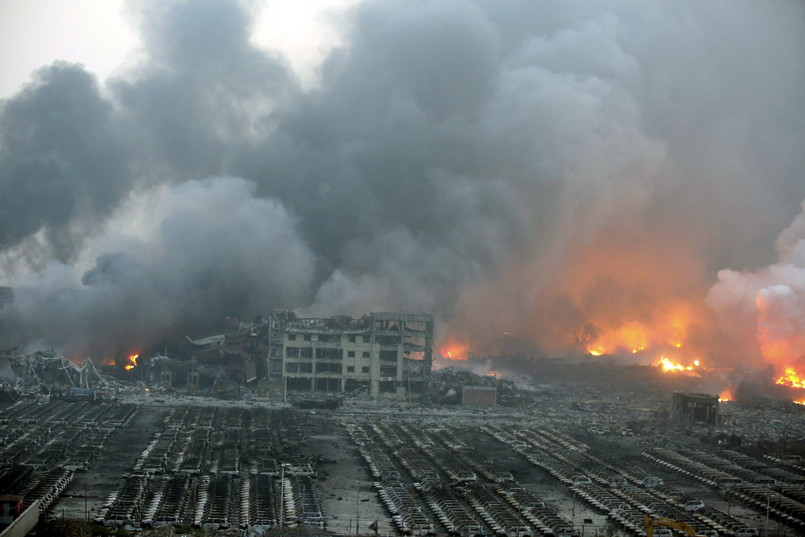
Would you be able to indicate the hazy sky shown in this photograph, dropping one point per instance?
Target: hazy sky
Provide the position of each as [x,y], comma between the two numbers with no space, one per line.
[608,175]
[102,35]
[37,32]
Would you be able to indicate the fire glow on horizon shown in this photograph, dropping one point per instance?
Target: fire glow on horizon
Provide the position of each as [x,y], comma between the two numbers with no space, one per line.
[637,336]
[668,342]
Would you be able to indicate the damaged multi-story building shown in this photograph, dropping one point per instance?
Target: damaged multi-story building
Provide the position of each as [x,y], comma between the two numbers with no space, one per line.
[379,354]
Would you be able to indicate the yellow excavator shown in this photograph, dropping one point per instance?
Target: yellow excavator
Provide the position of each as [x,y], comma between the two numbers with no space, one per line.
[668,523]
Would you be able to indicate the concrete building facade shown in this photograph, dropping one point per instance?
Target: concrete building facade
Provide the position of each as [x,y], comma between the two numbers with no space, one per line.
[380,354]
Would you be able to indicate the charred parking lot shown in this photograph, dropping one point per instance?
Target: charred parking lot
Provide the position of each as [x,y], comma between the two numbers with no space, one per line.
[576,453]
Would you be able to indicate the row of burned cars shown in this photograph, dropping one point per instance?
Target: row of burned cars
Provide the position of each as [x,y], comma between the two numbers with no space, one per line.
[772,486]
[44,441]
[626,492]
[217,468]
[433,482]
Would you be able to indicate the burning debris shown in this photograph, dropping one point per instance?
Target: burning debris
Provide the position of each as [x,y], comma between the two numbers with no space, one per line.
[133,364]
[791,378]
[668,365]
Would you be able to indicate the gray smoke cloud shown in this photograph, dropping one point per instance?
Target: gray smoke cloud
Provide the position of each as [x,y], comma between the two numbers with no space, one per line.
[199,249]
[518,166]
[64,161]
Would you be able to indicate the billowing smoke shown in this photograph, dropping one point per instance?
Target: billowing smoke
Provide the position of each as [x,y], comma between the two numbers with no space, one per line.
[172,259]
[573,174]
[765,309]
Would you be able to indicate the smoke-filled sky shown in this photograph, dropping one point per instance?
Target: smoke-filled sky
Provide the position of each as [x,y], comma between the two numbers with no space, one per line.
[588,176]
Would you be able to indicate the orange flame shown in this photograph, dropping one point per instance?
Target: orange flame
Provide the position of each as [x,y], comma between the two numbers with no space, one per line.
[632,337]
[133,360]
[725,396]
[452,350]
[791,379]
[782,348]
[663,331]
[668,365]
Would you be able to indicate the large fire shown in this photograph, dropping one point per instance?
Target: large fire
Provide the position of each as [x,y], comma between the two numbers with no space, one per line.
[631,337]
[453,350]
[791,379]
[668,365]
[638,293]
[635,336]
[132,362]
[780,333]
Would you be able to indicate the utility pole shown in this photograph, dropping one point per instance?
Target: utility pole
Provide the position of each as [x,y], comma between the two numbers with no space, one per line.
[573,513]
[357,508]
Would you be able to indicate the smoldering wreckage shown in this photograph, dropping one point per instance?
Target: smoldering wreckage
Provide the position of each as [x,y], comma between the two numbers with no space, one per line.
[344,426]
[620,179]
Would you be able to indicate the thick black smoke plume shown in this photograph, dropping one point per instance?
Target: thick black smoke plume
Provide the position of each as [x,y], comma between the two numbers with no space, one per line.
[460,157]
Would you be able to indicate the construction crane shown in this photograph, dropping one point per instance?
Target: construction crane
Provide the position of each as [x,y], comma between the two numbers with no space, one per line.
[668,523]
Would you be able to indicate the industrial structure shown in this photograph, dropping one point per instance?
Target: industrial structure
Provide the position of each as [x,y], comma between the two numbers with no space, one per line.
[695,408]
[48,368]
[380,354]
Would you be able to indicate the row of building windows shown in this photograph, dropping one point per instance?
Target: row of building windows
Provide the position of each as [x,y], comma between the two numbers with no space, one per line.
[331,338]
[302,367]
[338,338]
[331,354]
